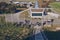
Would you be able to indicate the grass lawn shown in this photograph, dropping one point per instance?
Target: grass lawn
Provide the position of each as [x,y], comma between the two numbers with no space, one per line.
[13,31]
[55,6]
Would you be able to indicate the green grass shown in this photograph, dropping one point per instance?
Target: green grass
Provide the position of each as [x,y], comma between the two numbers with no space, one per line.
[13,31]
[55,6]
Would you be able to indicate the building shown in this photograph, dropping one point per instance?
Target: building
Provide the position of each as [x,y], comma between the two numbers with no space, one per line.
[37,13]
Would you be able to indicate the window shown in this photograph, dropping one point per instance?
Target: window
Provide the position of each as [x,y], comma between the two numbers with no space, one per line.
[36,14]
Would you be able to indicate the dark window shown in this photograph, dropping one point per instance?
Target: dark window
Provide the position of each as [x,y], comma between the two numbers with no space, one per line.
[36,14]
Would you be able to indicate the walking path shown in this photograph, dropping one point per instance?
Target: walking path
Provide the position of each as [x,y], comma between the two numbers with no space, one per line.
[37,35]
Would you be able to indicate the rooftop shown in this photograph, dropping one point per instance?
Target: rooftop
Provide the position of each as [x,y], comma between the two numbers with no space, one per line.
[37,10]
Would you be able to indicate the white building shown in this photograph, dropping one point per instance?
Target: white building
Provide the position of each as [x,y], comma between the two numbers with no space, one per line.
[37,13]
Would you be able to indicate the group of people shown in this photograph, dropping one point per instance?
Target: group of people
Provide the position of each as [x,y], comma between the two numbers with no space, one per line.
[29,23]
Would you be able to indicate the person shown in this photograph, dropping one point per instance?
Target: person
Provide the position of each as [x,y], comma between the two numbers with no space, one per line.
[52,22]
[44,23]
[11,1]
[27,22]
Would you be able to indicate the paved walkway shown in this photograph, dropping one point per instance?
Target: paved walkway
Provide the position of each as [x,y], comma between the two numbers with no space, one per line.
[38,34]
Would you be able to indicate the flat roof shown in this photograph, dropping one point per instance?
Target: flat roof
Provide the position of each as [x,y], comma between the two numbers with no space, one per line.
[37,10]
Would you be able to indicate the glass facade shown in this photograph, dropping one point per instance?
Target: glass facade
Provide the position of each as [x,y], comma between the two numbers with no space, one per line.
[36,14]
